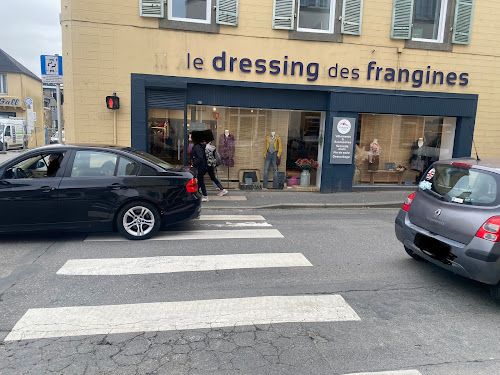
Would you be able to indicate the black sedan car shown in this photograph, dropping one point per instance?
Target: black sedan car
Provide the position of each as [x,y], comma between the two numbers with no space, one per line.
[89,188]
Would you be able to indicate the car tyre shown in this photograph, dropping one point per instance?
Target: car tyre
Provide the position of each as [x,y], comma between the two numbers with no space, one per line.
[495,292]
[138,220]
[413,255]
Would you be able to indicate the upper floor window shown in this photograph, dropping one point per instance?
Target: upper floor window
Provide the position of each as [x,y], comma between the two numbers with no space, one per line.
[190,10]
[429,20]
[3,83]
[316,16]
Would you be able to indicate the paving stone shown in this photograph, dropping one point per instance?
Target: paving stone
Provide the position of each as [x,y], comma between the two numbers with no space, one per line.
[203,360]
[138,345]
[247,359]
[148,366]
[244,338]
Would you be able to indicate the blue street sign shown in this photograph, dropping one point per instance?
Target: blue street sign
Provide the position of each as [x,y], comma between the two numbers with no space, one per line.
[51,68]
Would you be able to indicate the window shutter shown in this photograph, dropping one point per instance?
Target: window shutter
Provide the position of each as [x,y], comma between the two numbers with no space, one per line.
[283,13]
[227,12]
[352,17]
[402,19]
[463,21]
[152,8]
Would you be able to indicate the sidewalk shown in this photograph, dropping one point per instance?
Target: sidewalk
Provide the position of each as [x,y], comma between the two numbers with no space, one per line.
[270,199]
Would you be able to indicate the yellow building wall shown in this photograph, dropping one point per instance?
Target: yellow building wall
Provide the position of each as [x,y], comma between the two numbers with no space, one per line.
[104,41]
[21,86]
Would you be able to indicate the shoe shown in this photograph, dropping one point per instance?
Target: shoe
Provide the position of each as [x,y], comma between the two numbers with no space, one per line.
[222,192]
[204,198]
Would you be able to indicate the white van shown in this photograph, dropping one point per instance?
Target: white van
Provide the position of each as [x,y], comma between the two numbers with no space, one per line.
[13,133]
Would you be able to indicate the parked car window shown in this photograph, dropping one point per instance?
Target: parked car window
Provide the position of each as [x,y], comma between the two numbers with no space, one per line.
[463,185]
[126,167]
[93,164]
[38,166]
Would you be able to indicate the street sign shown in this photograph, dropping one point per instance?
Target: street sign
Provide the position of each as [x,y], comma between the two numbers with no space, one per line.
[342,140]
[51,69]
[28,101]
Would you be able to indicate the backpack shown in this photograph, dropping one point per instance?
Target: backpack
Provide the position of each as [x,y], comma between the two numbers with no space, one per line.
[218,159]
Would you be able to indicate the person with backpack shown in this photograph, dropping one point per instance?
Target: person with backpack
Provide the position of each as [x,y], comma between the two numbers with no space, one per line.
[213,161]
[200,161]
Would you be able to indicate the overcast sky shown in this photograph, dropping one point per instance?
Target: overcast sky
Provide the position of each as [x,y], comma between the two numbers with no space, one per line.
[30,28]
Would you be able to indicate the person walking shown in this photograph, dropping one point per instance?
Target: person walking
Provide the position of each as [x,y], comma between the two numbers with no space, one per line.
[200,161]
[212,161]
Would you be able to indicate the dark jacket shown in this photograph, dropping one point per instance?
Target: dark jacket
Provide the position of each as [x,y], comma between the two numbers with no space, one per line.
[199,157]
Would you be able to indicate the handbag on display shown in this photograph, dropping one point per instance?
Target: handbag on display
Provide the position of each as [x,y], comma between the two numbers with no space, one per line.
[278,161]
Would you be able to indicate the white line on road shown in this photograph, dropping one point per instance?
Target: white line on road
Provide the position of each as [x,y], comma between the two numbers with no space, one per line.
[400,372]
[169,264]
[167,316]
[232,217]
[197,235]
[228,224]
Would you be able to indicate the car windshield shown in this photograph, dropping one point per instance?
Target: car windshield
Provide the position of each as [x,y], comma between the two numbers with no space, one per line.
[461,184]
[152,159]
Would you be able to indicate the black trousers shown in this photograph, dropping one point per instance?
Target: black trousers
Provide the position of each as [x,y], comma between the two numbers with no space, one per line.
[211,173]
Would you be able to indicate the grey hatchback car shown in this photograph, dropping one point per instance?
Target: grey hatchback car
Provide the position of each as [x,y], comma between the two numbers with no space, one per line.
[453,219]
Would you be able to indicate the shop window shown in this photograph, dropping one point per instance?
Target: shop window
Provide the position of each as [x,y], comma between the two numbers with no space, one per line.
[316,16]
[393,149]
[3,84]
[190,10]
[241,139]
[166,134]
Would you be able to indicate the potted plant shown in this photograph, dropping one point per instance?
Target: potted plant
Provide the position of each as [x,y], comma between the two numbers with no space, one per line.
[306,165]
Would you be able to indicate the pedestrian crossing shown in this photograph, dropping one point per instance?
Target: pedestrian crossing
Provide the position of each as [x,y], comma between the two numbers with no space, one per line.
[70,321]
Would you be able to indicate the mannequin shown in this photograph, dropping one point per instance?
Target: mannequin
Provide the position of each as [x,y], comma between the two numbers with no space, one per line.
[374,155]
[418,158]
[226,149]
[272,151]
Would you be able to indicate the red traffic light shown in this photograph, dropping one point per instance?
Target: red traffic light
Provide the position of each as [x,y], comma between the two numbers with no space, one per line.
[113,102]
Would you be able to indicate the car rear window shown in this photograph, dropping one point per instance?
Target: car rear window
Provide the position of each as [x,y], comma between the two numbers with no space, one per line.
[152,159]
[461,185]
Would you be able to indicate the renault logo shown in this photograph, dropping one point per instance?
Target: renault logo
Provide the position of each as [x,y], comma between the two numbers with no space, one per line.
[437,212]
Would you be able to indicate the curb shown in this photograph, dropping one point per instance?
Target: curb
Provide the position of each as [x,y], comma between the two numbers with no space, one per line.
[311,205]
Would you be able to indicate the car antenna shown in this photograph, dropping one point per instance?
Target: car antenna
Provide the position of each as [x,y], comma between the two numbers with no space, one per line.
[475,149]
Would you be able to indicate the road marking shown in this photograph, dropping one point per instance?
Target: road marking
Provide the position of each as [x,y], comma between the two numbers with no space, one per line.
[227,198]
[170,264]
[196,235]
[228,224]
[400,372]
[232,217]
[167,316]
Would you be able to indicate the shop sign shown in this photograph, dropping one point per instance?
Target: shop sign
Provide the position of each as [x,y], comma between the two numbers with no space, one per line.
[10,102]
[334,70]
[342,140]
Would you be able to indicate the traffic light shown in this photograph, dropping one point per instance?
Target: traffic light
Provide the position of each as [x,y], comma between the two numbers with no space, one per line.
[113,101]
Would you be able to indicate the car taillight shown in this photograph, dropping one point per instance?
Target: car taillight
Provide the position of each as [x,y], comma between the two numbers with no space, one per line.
[465,165]
[490,230]
[408,201]
[192,185]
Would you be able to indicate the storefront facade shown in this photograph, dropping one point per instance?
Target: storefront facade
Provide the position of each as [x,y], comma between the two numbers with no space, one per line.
[16,85]
[369,108]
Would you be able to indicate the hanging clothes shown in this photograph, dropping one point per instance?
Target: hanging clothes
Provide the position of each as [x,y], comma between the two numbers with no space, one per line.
[374,156]
[419,157]
[226,150]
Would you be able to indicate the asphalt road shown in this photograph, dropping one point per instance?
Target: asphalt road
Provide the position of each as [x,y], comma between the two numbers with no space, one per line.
[347,300]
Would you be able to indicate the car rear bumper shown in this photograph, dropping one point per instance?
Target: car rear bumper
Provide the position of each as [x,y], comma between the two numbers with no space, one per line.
[189,208]
[479,260]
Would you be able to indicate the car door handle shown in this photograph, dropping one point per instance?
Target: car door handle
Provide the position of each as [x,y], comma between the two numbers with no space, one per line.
[47,189]
[116,186]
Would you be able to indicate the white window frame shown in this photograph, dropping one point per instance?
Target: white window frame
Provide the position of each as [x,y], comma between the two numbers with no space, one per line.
[331,23]
[207,21]
[442,23]
[3,83]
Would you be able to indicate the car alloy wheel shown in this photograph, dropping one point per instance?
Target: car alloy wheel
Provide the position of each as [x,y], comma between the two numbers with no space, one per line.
[138,221]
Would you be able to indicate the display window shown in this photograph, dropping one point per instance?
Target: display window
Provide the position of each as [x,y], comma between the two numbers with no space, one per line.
[259,148]
[395,149]
[166,134]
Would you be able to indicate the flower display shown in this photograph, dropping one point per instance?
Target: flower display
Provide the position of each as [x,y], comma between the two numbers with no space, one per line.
[307,164]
